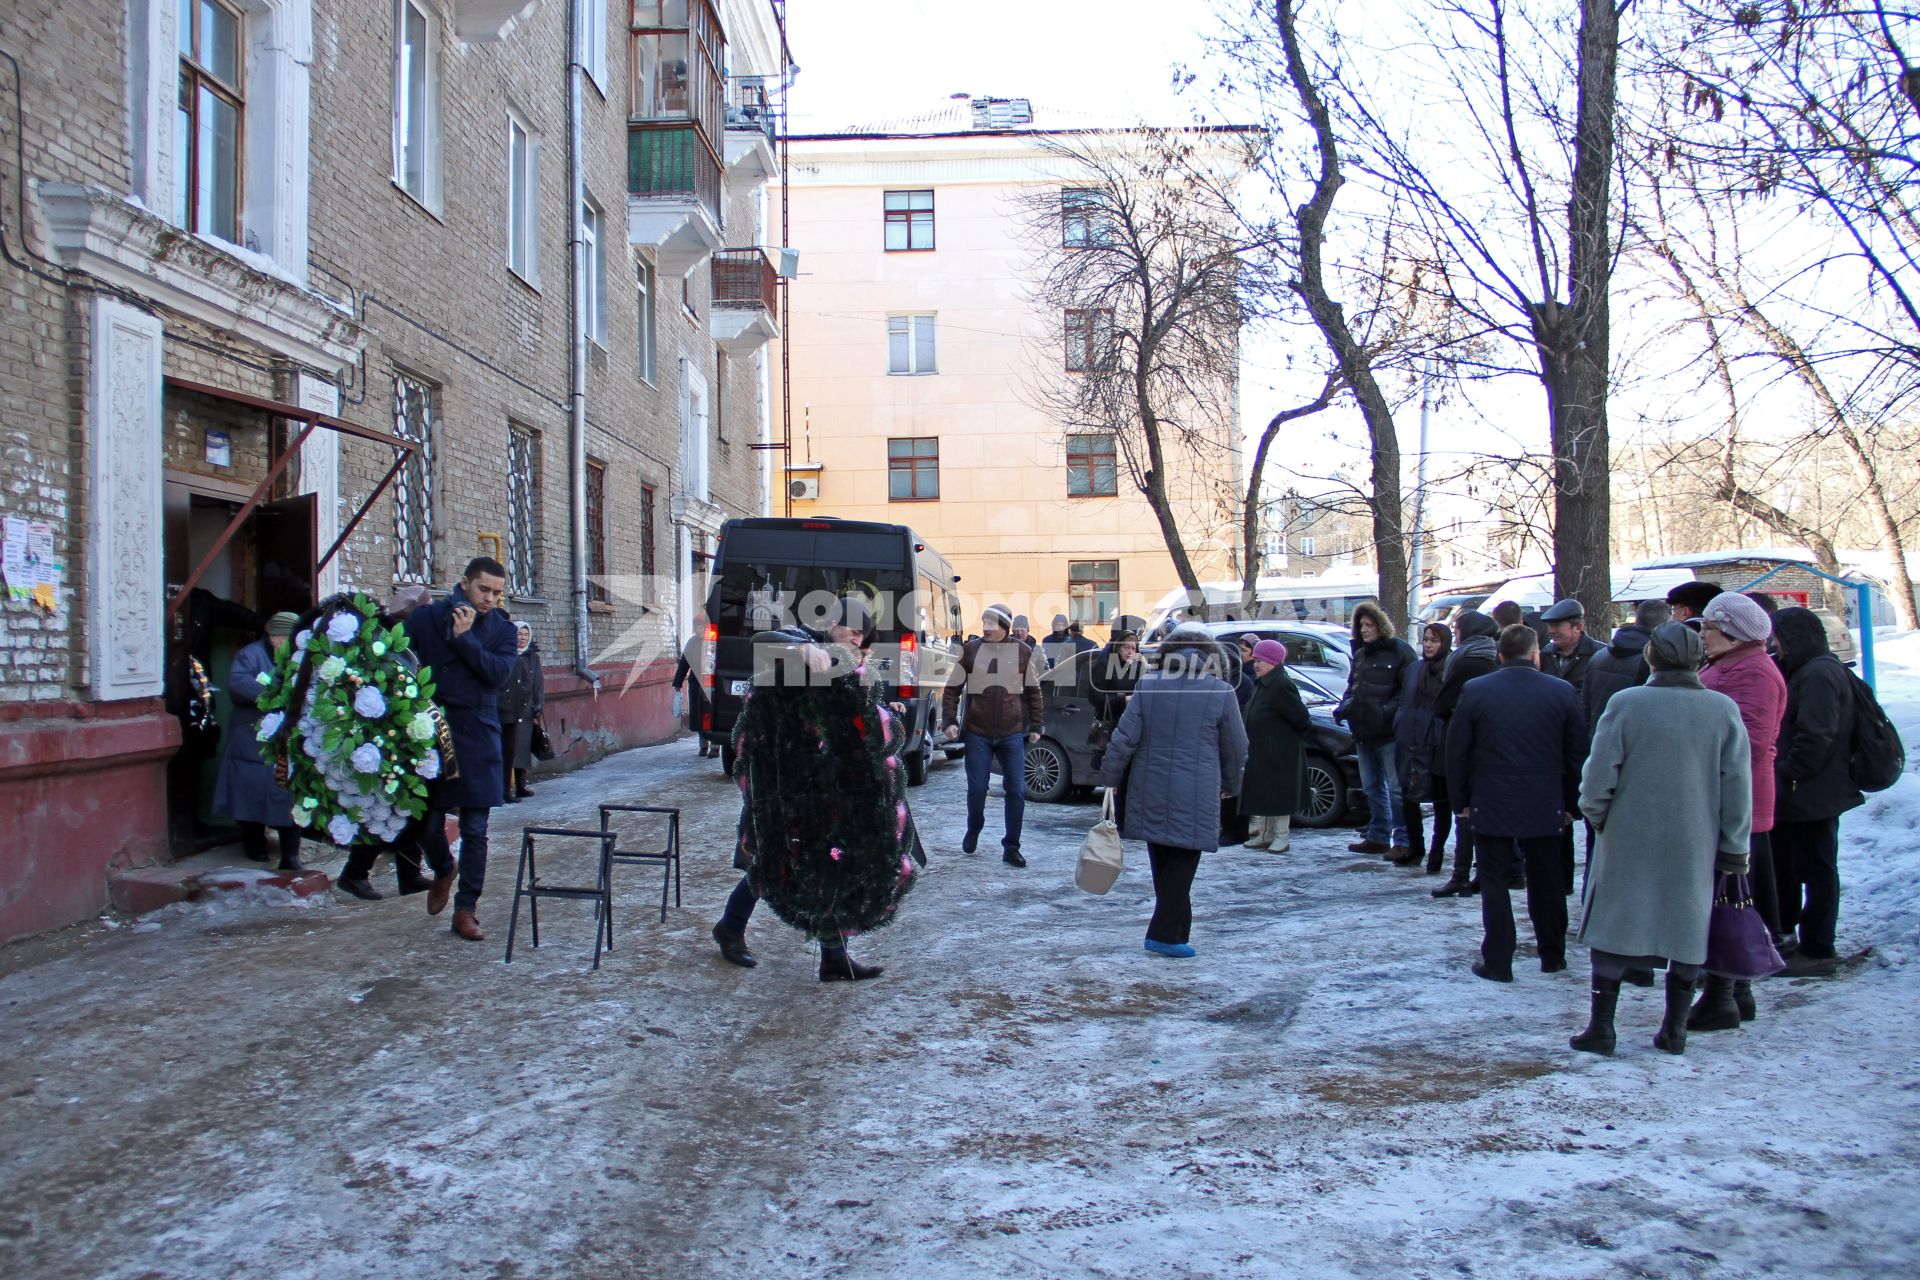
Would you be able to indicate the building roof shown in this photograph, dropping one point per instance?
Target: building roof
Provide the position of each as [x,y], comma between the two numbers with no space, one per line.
[985,116]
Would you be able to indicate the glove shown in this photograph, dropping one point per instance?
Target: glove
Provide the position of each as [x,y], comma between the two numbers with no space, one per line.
[679,704]
[1730,864]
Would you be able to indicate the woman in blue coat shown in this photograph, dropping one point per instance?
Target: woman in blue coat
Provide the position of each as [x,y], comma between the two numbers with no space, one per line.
[1177,752]
[244,789]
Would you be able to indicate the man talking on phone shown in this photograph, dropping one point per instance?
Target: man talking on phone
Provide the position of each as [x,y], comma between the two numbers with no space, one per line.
[469,642]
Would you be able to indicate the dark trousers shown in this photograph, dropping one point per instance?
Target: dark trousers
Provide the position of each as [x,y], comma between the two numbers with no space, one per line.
[1442,820]
[739,910]
[253,838]
[473,852]
[1760,875]
[1173,872]
[1011,753]
[1544,858]
[406,860]
[1806,867]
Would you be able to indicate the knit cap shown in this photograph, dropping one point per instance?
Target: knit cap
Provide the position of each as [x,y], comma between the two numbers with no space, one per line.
[1270,651]
[282,623]
[1738,618]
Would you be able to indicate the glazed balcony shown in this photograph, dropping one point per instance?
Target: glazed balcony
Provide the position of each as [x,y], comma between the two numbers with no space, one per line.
[746,300]
[751,121]
[673,193]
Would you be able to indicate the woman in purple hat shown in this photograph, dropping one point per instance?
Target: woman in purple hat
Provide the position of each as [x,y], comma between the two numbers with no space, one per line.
[1276,773]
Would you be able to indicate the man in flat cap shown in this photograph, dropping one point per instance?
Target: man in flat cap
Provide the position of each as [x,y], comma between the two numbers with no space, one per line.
[1570,648]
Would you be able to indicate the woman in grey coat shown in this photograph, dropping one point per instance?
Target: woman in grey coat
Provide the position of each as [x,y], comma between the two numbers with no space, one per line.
[244,789]
[1668,788]
[1176,754]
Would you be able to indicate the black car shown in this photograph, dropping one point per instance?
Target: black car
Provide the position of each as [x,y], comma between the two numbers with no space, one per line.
[1063,761]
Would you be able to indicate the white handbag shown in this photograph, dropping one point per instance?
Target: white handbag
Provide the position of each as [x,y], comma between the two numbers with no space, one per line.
[1101,856]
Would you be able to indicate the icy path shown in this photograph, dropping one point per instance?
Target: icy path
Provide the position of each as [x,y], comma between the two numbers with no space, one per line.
[346,1090]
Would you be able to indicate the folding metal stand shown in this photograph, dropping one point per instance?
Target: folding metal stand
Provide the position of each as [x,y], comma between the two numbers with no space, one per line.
[668,855]
[526,884]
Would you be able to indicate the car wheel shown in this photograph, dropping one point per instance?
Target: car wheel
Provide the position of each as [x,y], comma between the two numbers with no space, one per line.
[726,760]
[1324,796]
[917,766]
[1048,776]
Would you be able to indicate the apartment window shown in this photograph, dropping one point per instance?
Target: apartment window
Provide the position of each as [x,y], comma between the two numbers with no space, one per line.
[595,301]
[523,529]
[678,50]
[649,500]
[909,216]
[1089,339]
[416,101]
[1092,467]
[523,200]
[413,415]
[593,41]
[596,530]
[913,470]
[1093,589]
[910,344]
[1307,546]
[1086,220]
[207,125]
[649,341]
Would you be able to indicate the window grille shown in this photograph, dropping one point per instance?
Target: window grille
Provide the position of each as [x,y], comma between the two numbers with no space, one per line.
[522,518]
[413,488]
[596,530]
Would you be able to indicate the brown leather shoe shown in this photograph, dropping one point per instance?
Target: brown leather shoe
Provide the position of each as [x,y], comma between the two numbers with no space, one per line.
[438,893]
[467,925]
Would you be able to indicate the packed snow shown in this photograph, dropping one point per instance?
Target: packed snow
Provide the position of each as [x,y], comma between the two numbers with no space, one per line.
[260,1086]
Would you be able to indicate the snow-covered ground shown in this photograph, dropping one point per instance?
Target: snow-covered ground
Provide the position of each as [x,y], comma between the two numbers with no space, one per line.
[263,1088]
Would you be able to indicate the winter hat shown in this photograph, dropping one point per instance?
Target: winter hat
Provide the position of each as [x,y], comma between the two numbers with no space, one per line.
[1000,614]
[282,624]
[1059,622]
[1694,595]
[1675,647]
[1738,618]
[1020,623]
[1249,639]
[1270,651]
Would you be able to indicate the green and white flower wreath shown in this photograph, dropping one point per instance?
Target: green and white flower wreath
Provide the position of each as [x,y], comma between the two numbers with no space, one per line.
[366,738]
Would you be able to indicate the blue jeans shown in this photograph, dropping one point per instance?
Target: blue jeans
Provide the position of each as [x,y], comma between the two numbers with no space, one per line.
[1386,823]
[473,852]
[1011,752]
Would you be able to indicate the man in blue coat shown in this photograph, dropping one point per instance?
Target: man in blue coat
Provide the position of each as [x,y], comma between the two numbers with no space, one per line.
[469,643]
[1515,746]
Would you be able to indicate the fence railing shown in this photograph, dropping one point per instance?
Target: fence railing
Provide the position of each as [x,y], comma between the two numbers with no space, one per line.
[745,279]
[669,160]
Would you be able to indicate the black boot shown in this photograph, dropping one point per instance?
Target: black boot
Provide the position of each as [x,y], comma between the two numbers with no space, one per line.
[1453,888]
[291,862]
[838,966]
[1743,999]
[359,886]
[1598,1037]
[1672,1036]
[1716,1010]
[1012,857]
[411,879]
[733,947]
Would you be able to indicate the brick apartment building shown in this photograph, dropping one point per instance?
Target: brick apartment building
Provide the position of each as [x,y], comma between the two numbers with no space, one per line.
[290,299]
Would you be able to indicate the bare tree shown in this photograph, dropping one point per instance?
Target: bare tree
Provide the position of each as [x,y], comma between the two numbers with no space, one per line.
[1149,275]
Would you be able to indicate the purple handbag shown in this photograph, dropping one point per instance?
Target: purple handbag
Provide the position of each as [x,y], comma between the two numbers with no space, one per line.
[1738,943]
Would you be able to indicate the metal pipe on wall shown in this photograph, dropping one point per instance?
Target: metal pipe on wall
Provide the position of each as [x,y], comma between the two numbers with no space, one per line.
[577,338]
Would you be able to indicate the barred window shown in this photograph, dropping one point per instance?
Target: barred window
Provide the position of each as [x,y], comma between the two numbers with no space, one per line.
[647,517]
[413,487]
[523,517]
[596,530]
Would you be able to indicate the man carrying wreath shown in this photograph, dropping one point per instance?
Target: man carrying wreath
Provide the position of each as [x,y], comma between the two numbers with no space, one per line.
[470,645]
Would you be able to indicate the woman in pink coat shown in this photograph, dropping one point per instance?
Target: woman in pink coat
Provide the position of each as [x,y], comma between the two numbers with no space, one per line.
[1734,633]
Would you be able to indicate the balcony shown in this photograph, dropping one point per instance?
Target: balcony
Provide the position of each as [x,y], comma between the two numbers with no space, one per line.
[673,194]
[746,300]
[751,121]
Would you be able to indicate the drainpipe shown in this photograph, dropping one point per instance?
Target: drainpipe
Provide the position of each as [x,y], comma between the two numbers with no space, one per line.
[577,340]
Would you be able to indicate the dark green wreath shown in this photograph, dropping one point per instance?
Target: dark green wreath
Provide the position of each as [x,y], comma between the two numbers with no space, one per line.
[830,843]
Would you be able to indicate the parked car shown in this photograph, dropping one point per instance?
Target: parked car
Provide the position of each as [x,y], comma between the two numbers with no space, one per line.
[1443,608]
[1322,651]
[1062,761]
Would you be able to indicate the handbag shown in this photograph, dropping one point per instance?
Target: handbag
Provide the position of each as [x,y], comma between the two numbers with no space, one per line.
[1417,780]
[1738,943]
[542,745]
[1102,857]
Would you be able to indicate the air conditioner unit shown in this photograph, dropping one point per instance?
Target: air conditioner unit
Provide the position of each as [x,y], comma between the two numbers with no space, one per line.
[804,488]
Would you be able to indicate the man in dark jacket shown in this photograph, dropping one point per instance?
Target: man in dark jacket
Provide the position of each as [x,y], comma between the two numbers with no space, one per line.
[1064,642]
[1515,746]
[1690,599]
[1475,653]
[470,645]
[1814,787]
[1570,648]
[1380,660]
[1623,663]
[1005,711]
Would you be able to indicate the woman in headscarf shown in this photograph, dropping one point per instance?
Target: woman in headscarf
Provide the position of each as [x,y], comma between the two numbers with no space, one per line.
[1420,750]
[1276,773]
[1668,790]
[521,702]
[245,789]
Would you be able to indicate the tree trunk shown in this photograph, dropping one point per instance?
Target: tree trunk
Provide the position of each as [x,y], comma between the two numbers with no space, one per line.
[1352,360]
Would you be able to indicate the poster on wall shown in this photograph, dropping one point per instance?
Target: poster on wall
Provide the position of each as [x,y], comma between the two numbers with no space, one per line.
[26,560]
